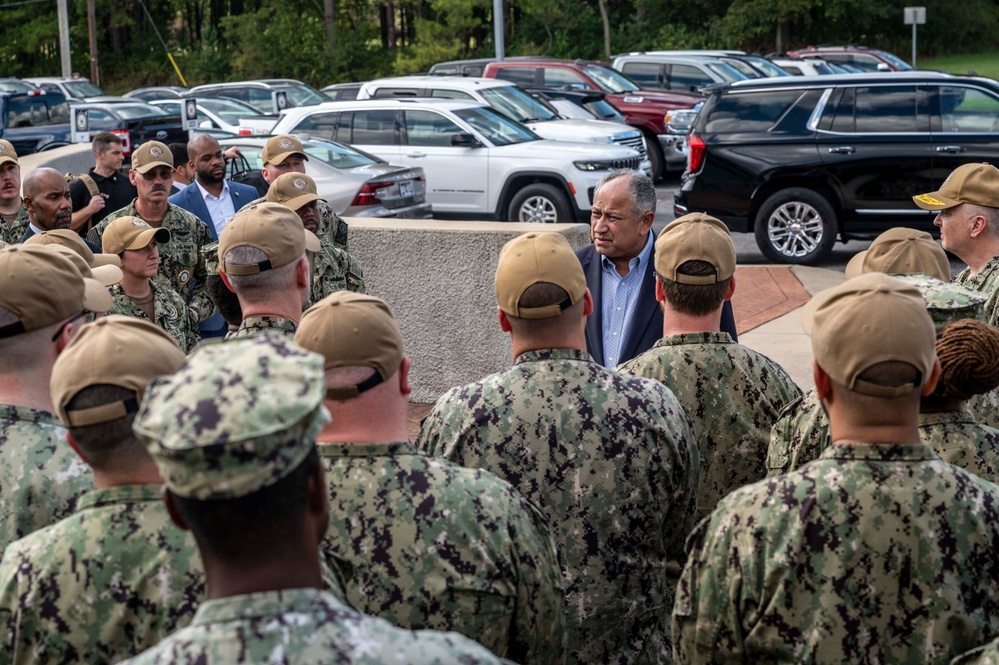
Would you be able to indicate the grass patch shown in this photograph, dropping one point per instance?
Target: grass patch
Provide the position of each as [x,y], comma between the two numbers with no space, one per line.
[983,64]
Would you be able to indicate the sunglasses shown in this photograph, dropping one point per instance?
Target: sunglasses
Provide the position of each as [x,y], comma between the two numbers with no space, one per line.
[163,174]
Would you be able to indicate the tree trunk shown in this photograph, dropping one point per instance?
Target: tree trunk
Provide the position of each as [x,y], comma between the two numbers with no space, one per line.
[606,22]
[329,15]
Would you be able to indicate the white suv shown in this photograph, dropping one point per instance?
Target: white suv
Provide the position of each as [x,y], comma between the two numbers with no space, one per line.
[512,100]
[479,163]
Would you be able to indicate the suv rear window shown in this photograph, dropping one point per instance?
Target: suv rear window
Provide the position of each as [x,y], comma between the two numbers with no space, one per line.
[34,111]
[750,112]
[523,76]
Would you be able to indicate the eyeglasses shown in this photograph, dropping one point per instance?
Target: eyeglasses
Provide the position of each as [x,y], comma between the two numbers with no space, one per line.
[163,174]
[69,321]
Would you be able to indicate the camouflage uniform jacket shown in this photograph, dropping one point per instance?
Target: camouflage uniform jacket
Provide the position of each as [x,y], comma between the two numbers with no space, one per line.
[172,314]
[181,262]
[254,325]
[12,232]
[106,583]
[985,408]
[986,655]
[872,554]
[613,464]
[733,396]
[433,545]
[985,281]
[802,434]
[304,627]
[330,227]
[41,477]
[334,270]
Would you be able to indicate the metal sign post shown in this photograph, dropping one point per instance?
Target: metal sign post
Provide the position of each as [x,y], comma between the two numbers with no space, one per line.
[190,110]
[80,131]
[914,16]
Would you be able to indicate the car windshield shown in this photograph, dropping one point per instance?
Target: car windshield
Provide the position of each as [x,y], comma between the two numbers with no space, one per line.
[135,111]
[228,109]
[897,62]
[83,89]
[743,68]
[765,66]
[518,104]
[15,85]
[339,156]
[302,95]
[610,80]
[499,129]
[727,72]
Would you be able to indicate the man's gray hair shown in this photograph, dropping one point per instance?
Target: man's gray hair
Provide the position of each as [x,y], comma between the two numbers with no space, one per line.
[643,191]
[262,284]
[991,216]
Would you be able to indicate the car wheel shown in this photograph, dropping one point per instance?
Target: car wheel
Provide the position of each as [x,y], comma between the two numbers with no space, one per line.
[795,225]
[655,152]
[540,203]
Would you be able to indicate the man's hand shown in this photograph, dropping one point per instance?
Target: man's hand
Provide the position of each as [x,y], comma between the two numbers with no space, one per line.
[232,153]
[96,204]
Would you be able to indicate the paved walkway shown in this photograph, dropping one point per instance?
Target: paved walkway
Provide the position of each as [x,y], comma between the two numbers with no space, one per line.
[767,305]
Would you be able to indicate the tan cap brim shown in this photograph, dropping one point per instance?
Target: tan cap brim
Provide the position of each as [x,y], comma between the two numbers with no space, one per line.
[300,201]
[7,158]
[108,275]
[105,260]
[856,265]
[146,237]
[96,297]
[312,243]
[278,159]
[934,201]
[151,165]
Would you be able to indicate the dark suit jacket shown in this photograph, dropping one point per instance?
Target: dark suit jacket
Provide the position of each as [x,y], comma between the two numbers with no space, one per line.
[28,232]
[190,199]
[647,321]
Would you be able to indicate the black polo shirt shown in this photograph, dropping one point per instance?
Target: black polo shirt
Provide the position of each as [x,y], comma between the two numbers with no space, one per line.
[120,192]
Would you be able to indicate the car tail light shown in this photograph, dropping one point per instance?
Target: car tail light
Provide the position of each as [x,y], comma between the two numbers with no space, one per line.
[245,131]
[695,153]
[368,194]
[126,140]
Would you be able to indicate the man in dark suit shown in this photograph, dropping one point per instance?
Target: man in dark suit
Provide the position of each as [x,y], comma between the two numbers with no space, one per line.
[47,200]
[212,198]
[626,319]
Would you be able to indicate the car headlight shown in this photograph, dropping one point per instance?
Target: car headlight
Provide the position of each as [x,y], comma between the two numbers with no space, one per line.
[593,165]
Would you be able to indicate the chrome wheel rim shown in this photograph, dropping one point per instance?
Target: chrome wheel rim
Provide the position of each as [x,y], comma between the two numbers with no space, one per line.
[538,209]
[795,229]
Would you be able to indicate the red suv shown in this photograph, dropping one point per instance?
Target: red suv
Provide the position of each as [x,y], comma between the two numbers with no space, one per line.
[644,110]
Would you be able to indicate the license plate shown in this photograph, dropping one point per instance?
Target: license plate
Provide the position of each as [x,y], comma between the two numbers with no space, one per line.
[406,188]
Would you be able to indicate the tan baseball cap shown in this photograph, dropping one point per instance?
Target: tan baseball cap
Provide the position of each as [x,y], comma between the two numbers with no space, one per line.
[279,148]
[73,241]
[869,320]
[968,183]
[116,350]
[106,275]
[150,155]
[901,251]
[695,237]
[353,330]
[293,190]
[131,233]
[236,418]
[272,228]
[43,286]
[7,152]
[535,258]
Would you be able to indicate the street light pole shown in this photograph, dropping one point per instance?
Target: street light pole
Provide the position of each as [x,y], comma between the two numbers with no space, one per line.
[64,55]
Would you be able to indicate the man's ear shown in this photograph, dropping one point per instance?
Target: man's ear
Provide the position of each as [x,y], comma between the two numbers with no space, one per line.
[931,383]
[647,220]
[303,273]
[225,280]
[75,446]
[660,292]
[504,322]
[404,376]
[133,175]
[730,291]
[173,510]
[823,384]
[978,226]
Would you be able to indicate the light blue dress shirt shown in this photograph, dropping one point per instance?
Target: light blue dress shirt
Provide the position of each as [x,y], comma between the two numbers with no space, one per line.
[618,300]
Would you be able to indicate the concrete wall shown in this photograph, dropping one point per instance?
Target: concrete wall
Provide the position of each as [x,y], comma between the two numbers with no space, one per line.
[74,159]
[438,279]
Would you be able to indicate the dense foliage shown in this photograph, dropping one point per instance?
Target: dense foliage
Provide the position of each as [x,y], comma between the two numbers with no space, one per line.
[215,40]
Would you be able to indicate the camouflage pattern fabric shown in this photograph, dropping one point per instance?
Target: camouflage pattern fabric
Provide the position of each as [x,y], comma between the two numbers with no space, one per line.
[872,554]
[171,312]
[255,325]
[613,464]
[334,270]
[985,408]
[986,282]
[106,583]
[12,232]
[330,228]
[733,396]
[802,433]
[304,627]
[986,655]
[41,477]
[181,262]
[433,545]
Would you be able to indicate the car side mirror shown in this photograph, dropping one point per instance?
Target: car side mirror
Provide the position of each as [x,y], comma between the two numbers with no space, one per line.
[465,140]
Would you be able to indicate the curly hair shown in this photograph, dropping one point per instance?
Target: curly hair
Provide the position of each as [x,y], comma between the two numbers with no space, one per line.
[969,359]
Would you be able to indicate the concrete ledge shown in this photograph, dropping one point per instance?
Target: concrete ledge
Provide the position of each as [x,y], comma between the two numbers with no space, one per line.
[438,279]
[74,159]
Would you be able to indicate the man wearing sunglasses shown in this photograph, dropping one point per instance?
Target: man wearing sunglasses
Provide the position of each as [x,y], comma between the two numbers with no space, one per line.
[44,300]
[181,261]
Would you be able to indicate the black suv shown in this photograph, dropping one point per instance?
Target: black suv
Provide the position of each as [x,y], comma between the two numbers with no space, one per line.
[800,160]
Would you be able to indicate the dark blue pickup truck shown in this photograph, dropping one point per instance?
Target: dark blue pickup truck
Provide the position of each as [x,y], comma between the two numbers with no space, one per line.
[34,121]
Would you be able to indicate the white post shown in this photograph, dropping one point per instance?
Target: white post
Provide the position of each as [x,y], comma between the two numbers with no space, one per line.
[498,19]
[913,44]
